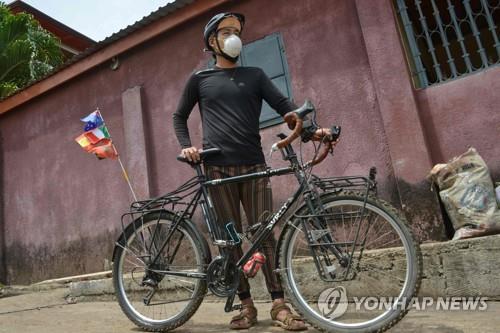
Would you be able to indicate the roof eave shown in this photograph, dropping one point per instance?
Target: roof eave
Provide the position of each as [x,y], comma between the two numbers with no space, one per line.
[117,47]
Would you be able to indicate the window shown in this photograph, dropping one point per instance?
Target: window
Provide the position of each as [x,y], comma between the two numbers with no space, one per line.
[446,39]
[268,53]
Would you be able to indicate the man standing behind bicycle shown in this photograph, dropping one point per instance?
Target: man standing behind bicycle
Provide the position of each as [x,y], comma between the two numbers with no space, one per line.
[230,101]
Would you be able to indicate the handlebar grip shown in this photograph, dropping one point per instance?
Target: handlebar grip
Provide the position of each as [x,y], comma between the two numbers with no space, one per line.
[203,153]
[301,112]
[292,119]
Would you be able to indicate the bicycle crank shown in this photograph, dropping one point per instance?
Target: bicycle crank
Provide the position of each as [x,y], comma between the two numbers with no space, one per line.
[222,277]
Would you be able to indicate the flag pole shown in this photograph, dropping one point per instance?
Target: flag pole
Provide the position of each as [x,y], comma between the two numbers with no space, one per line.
[125,175]
[124,172]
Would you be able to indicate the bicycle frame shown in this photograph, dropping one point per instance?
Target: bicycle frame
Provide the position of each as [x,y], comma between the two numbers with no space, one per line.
[328,231]
[202,198]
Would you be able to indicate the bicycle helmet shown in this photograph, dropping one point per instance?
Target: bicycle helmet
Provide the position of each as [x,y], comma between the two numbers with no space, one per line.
[212,25]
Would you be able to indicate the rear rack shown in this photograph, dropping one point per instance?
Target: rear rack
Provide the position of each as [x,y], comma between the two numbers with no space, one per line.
[180,202]
[169,200]
[337,184]
[160,202]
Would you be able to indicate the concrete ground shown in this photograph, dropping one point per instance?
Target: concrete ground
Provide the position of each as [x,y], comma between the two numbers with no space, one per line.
[76,304]
[52,311]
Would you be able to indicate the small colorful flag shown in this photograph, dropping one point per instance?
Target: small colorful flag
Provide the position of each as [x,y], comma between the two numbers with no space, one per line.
[96,138]
[92,137]
[104,150]
[92,121]
[84,142]
[96,135]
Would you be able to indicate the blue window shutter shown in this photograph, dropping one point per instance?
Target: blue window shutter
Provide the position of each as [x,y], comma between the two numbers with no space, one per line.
[268,53]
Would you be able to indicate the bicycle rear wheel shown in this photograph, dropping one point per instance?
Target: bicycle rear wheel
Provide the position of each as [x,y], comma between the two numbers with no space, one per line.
[151,299]
[370,287]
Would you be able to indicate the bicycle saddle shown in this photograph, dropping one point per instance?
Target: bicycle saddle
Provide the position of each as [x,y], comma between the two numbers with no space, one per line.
[203,154]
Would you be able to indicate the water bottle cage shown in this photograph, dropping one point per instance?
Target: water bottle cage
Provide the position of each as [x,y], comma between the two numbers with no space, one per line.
[235,238]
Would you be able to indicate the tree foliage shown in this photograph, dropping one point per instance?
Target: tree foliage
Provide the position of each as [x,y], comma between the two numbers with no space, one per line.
[27,51]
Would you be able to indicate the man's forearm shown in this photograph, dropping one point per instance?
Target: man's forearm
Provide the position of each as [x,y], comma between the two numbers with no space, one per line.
[181,130]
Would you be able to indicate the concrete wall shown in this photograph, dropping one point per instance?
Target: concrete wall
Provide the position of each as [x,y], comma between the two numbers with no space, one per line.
[63,207]
[463,268]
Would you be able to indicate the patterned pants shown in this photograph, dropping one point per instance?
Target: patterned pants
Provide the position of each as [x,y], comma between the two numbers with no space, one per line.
[256,198]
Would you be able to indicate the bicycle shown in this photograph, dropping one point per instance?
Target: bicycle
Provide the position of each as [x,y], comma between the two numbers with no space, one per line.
[341,244]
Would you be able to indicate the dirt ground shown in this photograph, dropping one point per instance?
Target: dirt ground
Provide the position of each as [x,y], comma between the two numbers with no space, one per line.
[53,312]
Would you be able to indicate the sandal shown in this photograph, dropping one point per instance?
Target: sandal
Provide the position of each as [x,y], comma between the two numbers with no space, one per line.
[291,321]
[245,319]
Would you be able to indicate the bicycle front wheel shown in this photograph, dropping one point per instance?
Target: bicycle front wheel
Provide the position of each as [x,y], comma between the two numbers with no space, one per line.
[353,267]
[150,297]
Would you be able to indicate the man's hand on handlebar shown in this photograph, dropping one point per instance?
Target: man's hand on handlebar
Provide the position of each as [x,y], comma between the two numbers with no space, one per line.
[191,153]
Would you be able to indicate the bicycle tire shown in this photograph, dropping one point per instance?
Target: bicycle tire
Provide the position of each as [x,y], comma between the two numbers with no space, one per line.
[314,315]
[128,284]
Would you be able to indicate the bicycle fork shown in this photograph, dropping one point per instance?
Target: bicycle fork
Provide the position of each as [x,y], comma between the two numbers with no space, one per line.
[322,243]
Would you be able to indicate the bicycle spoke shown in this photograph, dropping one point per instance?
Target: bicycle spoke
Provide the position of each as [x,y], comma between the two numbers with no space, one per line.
[145,291]
[382,236]
[381,264]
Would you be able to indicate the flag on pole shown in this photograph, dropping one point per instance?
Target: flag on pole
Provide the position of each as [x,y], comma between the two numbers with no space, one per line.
[84,142]
[96,138]
[97,134]
[92,121]
[105,150]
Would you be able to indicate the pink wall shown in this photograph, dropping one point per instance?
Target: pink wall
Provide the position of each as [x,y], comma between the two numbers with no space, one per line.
[62,207]
[464,113]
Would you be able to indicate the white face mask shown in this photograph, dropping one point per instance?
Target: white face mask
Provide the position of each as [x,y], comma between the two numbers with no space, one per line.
[232,46]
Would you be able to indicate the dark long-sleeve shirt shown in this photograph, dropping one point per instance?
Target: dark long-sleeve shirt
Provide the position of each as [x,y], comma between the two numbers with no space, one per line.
[230,102]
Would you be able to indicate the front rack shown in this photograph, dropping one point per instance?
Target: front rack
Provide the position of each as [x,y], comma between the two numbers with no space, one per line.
[321,238]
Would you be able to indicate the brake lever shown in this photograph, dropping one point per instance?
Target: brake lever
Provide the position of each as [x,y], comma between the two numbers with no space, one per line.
[274,148]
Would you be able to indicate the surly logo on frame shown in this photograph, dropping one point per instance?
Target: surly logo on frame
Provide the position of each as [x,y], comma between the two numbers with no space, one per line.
[332,302]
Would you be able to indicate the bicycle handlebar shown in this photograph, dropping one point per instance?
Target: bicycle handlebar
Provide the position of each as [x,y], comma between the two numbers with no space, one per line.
[295,122]
[327,147]
[294,119]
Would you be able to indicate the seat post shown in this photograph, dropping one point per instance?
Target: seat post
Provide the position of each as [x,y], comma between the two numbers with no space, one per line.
[197,168]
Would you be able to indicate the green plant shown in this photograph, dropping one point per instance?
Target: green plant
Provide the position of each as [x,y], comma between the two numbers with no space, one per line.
[27,51]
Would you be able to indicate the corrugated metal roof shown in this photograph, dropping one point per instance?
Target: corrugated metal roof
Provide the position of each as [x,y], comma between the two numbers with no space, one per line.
[146,20]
